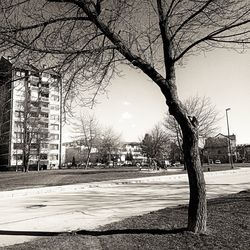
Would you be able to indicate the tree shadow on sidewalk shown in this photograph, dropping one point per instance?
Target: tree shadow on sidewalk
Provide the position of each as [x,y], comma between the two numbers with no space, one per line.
[95,232]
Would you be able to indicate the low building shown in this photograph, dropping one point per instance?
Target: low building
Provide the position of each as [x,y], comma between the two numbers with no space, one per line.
[243,152]
[131,151]
[217,148]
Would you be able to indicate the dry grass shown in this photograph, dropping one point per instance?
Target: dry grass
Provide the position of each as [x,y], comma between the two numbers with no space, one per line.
[20,180]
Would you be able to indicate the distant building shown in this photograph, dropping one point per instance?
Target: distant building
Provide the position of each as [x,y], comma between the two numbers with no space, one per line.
[79,152]
[217,148]
[243,153]
[35,92]
[130,151]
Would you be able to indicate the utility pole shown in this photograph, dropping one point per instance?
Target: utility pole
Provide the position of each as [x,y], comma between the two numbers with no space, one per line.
[229,141]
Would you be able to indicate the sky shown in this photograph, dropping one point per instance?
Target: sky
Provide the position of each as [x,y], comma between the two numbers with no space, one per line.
[134,104]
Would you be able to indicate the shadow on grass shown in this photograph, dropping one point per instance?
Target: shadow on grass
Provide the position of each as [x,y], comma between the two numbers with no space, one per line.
[131,231]
[95,232]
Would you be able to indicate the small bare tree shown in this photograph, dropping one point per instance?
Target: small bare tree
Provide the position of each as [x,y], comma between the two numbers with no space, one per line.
[88,133]
[155,143]
[108,145]
[205,113]
[30,134]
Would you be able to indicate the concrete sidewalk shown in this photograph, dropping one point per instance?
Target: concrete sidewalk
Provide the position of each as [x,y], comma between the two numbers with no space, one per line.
[82,186]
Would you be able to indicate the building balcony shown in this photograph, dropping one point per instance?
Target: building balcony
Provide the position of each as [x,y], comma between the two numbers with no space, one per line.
[44,119]
[44,151]
[34,78]
[45,109]
[33,120]
[19,107]
[44,130]
[35,88]
[44,99]
[34,98]
[33,109]
[44,89]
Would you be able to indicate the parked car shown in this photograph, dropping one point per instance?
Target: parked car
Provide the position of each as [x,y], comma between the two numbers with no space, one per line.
[217,162]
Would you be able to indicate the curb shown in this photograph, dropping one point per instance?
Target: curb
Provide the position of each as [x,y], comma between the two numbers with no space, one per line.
[82,186]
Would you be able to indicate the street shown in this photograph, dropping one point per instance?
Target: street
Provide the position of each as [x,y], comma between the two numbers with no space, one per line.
[95,206]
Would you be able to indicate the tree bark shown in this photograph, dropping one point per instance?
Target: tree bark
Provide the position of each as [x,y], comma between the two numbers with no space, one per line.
[197,211]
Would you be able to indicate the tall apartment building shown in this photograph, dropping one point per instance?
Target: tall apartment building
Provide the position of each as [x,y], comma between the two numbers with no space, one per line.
[31,117]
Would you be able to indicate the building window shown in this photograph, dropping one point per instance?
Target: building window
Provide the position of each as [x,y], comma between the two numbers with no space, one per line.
[55,87]
[18,145]
[45,115]
[33,114]
[54,126]
[53,157]
[20,104]
[54,146]
[19,114]
[43,156]
[34,84]
[19,125]
[54,107]
[46,95]
[44,145]
[45,85]
[46,105]
[44,125]
[34,104]
[54,136]
[18,157]
[44,135]
[46,75]
[55,98]
[19,135]
[54,117]
[20,73]
[33,145]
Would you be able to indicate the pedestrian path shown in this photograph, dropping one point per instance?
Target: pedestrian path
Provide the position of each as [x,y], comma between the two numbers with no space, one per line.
[82,186]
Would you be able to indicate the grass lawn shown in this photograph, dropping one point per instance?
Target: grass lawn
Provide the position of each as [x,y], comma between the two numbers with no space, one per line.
[20,180]
[228,228]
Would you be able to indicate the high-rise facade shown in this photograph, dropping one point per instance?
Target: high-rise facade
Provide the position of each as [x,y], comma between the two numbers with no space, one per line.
[30,120]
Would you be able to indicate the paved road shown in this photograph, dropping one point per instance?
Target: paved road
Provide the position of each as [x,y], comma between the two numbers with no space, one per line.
[95,206]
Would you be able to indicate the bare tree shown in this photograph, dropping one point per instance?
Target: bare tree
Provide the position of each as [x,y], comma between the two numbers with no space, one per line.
[108,145]
[155,143]
[89,133]
[3,91]
[205,113]
[29,133]
[88,39]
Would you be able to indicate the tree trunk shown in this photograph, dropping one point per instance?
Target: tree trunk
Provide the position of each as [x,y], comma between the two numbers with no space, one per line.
[197,211]
[88,159]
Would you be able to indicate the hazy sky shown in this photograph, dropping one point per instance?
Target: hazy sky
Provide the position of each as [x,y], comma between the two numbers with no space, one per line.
[134,104]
